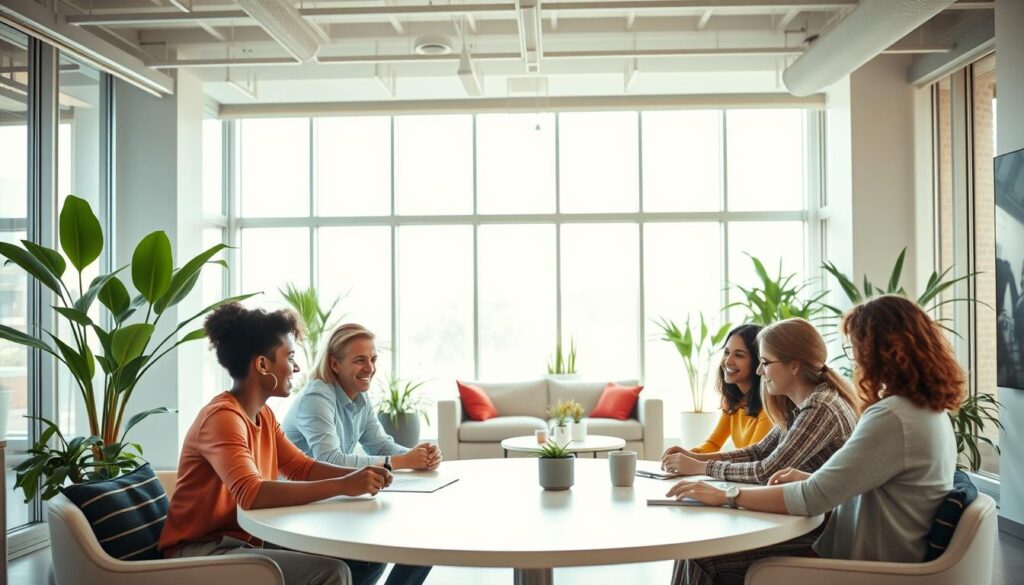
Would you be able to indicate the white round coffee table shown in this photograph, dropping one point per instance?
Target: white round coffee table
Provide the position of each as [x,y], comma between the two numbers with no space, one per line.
[496,515]
[593,444]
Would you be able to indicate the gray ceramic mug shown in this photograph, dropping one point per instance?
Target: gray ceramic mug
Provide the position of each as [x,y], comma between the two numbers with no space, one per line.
[622,467]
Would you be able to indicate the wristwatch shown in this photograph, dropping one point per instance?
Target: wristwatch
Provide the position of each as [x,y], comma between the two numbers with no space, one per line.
[731,493]
[387,463]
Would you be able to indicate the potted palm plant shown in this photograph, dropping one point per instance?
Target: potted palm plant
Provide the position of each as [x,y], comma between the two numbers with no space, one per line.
[555,466]
[400,408]
[124,351]
[316,320]
[696,345]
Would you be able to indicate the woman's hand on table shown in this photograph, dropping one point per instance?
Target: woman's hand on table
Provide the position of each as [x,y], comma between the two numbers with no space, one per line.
[704,493]
[682,464]
[367,480]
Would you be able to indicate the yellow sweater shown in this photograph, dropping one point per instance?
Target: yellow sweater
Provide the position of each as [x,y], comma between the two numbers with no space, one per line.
[744,430]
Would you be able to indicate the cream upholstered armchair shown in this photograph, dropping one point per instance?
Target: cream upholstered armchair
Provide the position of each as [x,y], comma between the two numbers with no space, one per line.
[967,559]
[78,558]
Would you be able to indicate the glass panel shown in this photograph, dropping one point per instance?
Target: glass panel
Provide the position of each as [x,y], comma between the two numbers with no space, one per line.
[435,307]
[353,166]
[765,159]
[355,265]
[600,304]
[985,242]
[515,158]
[213,167]
[270,259]
[671,291]
[682,160]
[274,168]
[215,378]
[434,164]
[598,154]
[517,300]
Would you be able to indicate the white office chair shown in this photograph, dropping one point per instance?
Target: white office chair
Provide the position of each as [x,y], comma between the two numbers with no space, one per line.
[968,559]
[78,558]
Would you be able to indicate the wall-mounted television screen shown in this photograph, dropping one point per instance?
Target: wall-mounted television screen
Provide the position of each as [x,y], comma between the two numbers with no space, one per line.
[1009,176]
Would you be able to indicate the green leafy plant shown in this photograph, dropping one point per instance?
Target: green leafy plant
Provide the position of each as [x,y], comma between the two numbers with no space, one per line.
[552,450]
[128,349]
[778,297]
[969,422]
[561,411]
[316,320]
[399,398]
[563,363]
[927,300]
[575,410]
[696,347]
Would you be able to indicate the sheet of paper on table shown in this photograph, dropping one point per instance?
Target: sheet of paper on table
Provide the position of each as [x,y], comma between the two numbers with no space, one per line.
[418,484]
[653,470]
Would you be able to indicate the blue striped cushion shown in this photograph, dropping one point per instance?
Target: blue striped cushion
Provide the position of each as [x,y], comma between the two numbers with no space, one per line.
[126,513]
[948,515]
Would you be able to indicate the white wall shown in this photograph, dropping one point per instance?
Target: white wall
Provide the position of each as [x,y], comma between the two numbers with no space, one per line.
[159,187]
[1010,134]
[870,172]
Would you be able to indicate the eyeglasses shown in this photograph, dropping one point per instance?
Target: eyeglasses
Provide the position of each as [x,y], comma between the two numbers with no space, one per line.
[848,351]
[765,363]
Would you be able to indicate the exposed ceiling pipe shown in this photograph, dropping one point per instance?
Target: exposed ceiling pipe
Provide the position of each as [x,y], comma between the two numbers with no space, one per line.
[865,33]
[285,25]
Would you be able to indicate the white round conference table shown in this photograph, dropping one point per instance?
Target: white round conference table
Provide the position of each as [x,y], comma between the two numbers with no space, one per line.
[496,515]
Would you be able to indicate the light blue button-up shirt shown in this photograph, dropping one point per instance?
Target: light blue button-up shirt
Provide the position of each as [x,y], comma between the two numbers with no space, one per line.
[326,425]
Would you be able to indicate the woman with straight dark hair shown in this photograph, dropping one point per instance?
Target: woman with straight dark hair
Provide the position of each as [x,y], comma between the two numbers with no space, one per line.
[885,484]
[743,418]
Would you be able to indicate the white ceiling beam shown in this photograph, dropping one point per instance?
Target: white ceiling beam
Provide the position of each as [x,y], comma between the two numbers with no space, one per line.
[788,18]
[554,21]
[212,31]
[529,23]
[704,18]
[631,20]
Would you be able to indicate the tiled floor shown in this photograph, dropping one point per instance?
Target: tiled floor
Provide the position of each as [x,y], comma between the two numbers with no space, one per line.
[1009,561]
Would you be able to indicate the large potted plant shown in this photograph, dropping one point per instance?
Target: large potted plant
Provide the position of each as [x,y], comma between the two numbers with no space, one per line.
[555,468]
[316,320]
[696,345]
[124,351]
[778,297]
[400,408]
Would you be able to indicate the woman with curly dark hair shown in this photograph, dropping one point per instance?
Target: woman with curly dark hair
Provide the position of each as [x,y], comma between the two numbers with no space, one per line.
[235,451]
[885,484]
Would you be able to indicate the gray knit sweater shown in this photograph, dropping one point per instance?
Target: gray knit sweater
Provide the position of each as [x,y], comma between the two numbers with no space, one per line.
[884,484]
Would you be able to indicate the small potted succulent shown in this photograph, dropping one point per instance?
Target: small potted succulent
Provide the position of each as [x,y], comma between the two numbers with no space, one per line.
[579,426]
[560,432]
[555,466]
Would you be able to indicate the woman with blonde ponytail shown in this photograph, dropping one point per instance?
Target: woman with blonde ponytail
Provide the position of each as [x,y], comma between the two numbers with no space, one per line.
[813,408]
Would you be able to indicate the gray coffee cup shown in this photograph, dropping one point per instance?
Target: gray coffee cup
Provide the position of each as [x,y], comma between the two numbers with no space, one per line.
[622,466]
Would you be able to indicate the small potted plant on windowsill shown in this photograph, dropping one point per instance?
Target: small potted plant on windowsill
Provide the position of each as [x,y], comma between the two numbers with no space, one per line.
[555,466]
[579,426]
[562,365]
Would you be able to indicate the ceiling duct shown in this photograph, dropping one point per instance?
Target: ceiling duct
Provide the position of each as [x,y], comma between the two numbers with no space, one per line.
[871,28]
[284,24]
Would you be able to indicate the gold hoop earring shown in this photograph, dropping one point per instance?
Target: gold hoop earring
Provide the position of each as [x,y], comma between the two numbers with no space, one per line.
[275,380]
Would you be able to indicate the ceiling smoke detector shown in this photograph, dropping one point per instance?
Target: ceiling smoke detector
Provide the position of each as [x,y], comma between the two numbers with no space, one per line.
[433,45]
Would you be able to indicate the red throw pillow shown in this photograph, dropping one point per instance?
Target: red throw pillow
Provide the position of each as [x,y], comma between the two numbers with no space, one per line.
[476,402]
[616,402]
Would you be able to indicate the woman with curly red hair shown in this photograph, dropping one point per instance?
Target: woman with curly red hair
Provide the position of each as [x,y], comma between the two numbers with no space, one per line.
[885,484]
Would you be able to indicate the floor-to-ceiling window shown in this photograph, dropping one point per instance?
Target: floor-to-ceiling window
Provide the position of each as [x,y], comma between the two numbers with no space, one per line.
[471,243]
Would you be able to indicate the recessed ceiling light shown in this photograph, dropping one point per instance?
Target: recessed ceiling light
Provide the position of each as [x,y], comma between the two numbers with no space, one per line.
[432,45]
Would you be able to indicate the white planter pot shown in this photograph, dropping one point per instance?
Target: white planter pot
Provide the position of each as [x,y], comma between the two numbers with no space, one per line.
[5,410]
[561,434]
[696,427]
[579,431]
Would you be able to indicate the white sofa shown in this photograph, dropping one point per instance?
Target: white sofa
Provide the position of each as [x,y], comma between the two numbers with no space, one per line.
[522,409]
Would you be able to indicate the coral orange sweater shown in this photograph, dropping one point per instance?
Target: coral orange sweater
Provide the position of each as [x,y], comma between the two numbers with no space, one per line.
[744,429]
[224,460]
